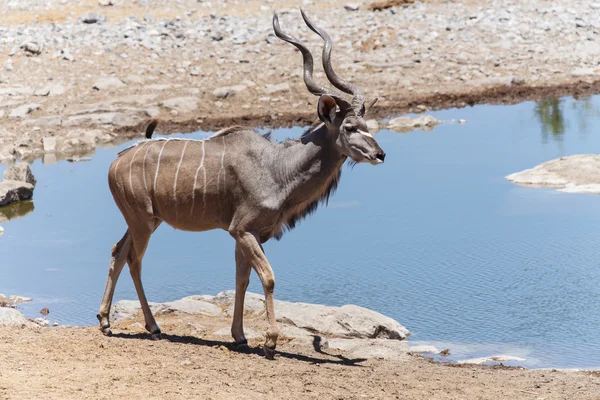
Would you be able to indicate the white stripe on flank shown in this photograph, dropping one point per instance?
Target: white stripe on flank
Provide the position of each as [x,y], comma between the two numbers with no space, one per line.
[144,168]
[131,164]
[177,174]
[367,134]
[196,180]
[222,166]
[158,165]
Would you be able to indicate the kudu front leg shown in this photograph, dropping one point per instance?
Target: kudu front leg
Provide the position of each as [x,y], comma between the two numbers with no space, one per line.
[242,279]
[255,256]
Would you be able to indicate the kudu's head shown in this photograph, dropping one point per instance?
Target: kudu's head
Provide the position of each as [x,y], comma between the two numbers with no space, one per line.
[344,119]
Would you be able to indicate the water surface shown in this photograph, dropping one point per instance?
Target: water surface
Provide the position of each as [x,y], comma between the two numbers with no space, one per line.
[435,238]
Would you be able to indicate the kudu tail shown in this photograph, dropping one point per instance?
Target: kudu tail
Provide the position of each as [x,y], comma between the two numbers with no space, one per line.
[150,128]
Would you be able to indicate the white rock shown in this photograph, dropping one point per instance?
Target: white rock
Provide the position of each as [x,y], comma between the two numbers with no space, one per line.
[280,88]
[49,144]
[1,230]
[369,348]
[22,111]
[227,91]
[181,104]
[189,305]
[106,83]
[352,6]
[407,124]
[578,173]
[483,360]
[346,321]
[13,317]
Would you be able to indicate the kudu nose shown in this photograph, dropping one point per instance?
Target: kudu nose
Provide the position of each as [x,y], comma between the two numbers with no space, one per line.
[381,156]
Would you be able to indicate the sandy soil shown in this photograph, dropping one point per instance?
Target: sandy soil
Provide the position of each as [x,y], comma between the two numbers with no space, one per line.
[76,363]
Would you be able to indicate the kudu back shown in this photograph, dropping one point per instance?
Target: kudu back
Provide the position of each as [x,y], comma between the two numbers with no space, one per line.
[239,181]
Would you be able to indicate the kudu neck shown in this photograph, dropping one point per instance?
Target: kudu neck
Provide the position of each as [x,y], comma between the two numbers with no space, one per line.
[310,164]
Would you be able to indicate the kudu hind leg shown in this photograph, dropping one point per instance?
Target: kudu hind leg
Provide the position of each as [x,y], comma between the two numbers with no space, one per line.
[137,251]
[255,256]
[117,262]
[242,279]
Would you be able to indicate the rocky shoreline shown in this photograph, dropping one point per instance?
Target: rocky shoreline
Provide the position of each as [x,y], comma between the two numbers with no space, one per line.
[92,74]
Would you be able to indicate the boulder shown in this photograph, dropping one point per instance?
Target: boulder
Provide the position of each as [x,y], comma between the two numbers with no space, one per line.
[181,104]
[579,173]
[109,82]
[189,305]
[20,172]
[13,318]
[13,191]
[407,124]
[280,88]
[369,348]
[22,111]
[349,321]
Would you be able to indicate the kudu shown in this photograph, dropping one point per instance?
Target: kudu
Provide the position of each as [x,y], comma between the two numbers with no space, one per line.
[240,181]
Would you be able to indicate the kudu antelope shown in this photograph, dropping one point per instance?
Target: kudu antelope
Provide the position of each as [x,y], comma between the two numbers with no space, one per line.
[240,181]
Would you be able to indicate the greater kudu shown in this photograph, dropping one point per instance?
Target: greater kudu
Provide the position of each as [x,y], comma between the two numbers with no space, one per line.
[239,181]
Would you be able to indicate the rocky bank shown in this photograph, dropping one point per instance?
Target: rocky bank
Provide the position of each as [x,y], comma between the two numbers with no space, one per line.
[87,73]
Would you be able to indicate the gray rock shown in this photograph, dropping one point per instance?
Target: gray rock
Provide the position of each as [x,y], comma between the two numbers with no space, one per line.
[280,88]
[51,90]
[491,359]
[13,318]
[45,121]
[14,191]
[109,118]
[181,104]
[254,304]
[93,18]
[407,124]
[217,36]
[106,83]
[127,309]
[22,111]
[20,172]
[370,348]
[32,48]
[190,305]
[226,91]
[346,321]
[17,91]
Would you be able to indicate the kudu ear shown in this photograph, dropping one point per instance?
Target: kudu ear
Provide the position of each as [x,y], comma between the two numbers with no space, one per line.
[326,109]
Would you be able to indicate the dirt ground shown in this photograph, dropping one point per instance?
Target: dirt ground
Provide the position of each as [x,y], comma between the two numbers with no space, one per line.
[78,363]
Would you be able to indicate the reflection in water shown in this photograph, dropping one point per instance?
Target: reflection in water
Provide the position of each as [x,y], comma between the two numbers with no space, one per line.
[551,114]
[15,210]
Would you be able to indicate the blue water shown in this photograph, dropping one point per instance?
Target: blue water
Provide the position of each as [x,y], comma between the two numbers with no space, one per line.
[435,238]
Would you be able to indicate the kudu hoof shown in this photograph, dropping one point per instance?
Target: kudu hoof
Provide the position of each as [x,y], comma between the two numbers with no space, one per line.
[106,331]
[269,352]
[156,336]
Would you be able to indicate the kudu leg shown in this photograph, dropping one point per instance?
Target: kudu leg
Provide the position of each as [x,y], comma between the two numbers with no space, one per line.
[242,279]
[255,256]
[140,243]
[117,261]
